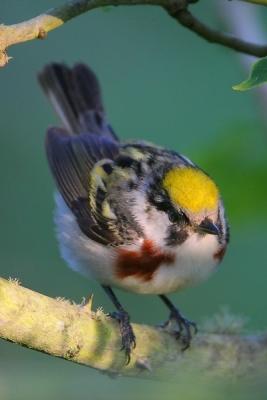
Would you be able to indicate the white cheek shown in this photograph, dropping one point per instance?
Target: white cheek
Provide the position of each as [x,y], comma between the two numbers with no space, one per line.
[196,256]
[153,222]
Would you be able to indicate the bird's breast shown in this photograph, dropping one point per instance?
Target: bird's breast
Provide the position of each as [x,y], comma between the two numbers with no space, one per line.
[143,262]
[151,269]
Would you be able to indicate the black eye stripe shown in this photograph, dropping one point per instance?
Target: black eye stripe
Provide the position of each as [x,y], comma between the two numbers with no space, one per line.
[176,236]
[177,217]
[173,216]
[160,199]
[164,204]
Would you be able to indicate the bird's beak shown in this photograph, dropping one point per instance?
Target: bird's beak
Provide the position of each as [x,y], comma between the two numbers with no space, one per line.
[207,226]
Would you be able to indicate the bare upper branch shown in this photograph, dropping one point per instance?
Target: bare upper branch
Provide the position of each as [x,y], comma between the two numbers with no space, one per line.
[38,27]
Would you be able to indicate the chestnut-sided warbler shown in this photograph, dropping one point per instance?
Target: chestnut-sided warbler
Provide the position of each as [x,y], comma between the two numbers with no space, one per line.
[128,214]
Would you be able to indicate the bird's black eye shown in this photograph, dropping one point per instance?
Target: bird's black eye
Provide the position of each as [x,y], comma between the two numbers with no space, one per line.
[162,205]
[173,217]
[177,217]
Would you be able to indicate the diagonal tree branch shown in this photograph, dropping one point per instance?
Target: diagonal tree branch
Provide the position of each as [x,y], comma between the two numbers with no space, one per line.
[76,333]
[38,27]
[186,18]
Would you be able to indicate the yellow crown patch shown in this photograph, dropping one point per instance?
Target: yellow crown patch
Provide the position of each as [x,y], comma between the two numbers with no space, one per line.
[191,189]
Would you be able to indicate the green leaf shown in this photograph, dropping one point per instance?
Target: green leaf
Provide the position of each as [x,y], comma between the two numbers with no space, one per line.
[257,77]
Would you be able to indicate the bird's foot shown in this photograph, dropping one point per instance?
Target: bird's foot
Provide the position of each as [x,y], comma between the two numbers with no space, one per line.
[128,340]
[185,328]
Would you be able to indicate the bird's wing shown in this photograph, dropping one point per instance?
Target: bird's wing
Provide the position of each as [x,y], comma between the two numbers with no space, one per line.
[72,160]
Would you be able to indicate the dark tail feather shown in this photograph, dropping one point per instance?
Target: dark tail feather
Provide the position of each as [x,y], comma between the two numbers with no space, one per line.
[76,97]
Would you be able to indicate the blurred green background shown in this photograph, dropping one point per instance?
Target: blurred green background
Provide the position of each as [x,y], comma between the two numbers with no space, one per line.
[160,83]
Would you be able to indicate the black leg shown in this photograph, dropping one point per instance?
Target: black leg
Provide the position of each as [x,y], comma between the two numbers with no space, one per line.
[126,330]
[184,325]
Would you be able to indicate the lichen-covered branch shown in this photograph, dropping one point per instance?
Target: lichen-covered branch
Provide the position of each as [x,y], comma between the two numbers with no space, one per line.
[38,27]
[76,333]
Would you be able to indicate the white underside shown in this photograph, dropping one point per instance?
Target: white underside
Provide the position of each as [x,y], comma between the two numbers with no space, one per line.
[194,258]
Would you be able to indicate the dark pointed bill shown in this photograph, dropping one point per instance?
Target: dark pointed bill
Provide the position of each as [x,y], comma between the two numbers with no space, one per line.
[207,226]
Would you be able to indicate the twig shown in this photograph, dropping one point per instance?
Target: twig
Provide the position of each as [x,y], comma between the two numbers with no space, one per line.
[185,18]
[38,27]
[76,333]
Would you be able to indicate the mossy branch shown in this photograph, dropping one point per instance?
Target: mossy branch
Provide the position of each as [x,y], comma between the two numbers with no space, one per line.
[38,27]
[76,333]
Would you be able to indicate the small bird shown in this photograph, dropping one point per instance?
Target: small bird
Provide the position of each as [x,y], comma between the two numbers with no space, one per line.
[130,215]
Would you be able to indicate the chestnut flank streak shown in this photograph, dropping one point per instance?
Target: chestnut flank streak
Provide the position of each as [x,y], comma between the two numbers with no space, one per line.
[142,263]
[220,254]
